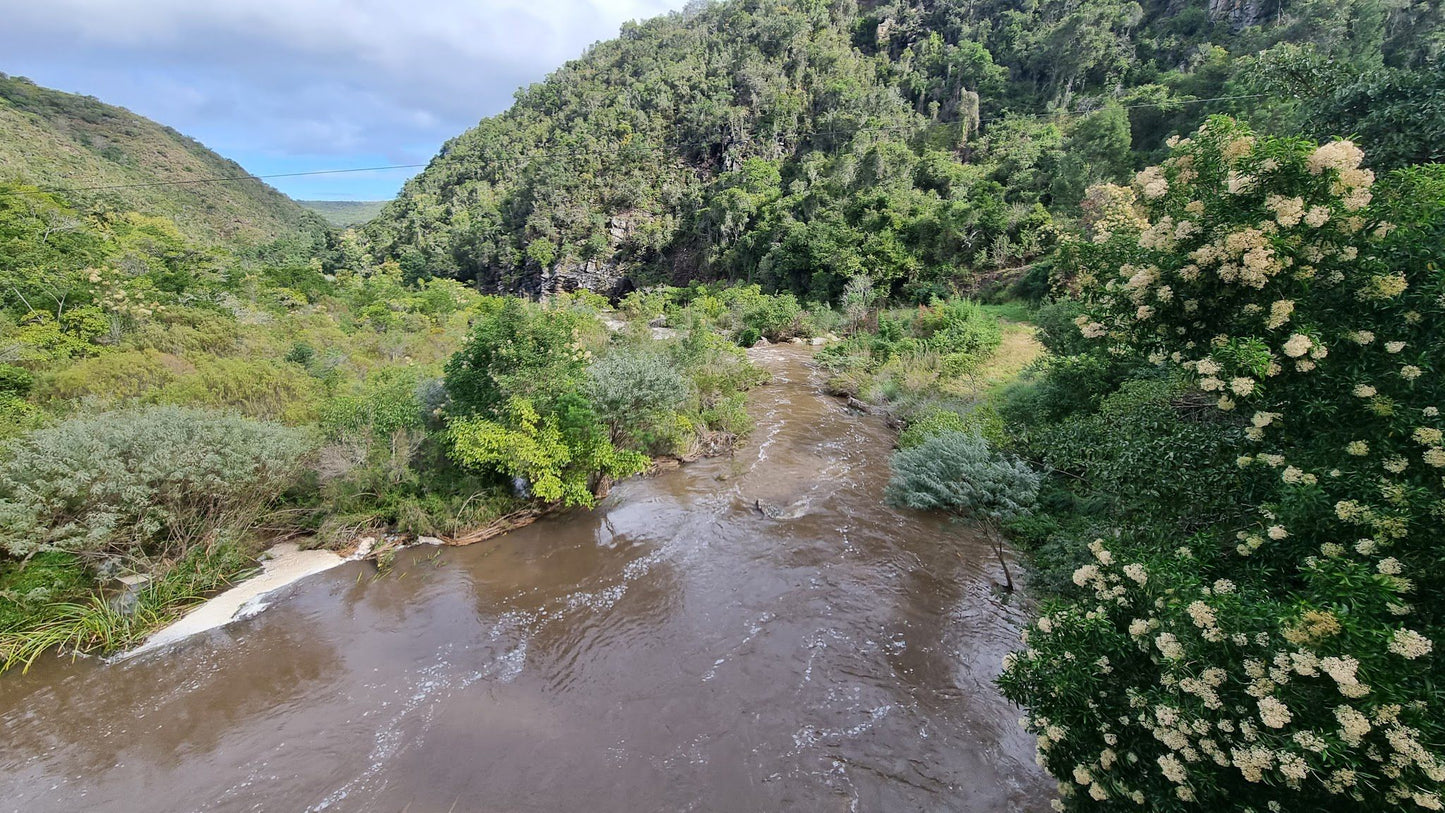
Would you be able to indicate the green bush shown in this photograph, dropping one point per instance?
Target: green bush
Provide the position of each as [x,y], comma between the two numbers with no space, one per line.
[517,350]
[256,387]
[27,587]
[1269,645]
[961,473]
[978,418]
[1057,331]
[17,416]
[730,415]
[386,402]
[632,389]
[561,456]
[149,482]
[958,326]
[114,377]
[776,317]
[15,380]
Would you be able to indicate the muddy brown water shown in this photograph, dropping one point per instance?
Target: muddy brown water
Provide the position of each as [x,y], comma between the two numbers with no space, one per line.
[677,649]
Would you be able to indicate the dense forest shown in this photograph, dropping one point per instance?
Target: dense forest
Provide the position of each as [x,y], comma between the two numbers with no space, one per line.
[930,145]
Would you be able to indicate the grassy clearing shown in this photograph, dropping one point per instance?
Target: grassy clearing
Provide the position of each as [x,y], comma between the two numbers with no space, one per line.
[949,357]
[1020,348]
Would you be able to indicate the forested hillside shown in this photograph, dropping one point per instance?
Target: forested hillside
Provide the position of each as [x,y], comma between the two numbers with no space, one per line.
[345,212]
[929,144]
[55,140]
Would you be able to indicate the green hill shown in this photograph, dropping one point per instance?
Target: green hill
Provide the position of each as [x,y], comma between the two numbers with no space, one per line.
[927,143]
[345,212]
[57,140]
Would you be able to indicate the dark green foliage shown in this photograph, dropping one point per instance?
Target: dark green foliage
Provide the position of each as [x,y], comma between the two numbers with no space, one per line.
[925,143]
[15,380]
[1057,331]
[25,587]
[514,349]
[1149,449]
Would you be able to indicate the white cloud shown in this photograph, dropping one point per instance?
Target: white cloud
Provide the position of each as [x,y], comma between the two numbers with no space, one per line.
[296,78]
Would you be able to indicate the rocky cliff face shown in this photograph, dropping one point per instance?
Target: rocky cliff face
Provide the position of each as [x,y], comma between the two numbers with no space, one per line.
[1240,14]
[606,274]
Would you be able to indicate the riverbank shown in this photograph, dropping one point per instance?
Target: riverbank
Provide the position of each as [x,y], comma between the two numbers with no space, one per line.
[415,453]
[110,627]
[674,647]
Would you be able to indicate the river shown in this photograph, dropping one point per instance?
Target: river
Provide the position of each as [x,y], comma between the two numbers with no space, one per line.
[749,633]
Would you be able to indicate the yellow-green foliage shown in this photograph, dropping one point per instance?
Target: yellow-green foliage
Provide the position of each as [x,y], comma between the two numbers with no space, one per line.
[117,376]
[522,443]
[260,388]
[981,419]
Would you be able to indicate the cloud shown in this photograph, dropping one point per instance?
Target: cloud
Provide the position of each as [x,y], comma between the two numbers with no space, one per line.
[280,85]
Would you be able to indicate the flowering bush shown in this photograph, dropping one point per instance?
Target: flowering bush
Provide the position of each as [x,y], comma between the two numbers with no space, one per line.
[1285,661]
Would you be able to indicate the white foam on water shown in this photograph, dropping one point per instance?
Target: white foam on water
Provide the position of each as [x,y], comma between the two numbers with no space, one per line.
[434,683]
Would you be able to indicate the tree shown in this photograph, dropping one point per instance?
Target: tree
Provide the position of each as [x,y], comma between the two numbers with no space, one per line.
[516,349]
[958,472]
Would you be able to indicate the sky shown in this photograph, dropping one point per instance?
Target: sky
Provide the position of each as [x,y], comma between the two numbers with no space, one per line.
[300,85]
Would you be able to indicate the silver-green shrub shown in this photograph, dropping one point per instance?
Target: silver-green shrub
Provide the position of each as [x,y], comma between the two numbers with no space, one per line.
[144,482]
[629,388]
[958,472]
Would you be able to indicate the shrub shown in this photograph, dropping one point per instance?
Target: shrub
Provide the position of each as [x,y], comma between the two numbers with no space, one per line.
[114,377]
[15,380]
[388,401]
[259,388]
[150,481]
[560,456]
[776,317]
[631,389]
[17,415]
[959,472]
[1281,656]
[958,326]
[516,350]
[1057,331]
[978,418]
[729,415]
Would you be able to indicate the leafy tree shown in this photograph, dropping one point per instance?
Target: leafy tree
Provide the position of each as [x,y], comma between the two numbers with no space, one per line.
[558,457]
[958,472]
[516,350]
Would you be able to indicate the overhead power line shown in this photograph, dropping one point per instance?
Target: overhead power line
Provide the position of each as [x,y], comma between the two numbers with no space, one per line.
[224,179]
[550,149]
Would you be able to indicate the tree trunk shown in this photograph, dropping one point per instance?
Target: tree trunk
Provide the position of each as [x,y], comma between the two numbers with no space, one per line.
[996,538]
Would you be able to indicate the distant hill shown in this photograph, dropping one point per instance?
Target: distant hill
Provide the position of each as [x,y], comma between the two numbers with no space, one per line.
[345,212]
[57,140]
